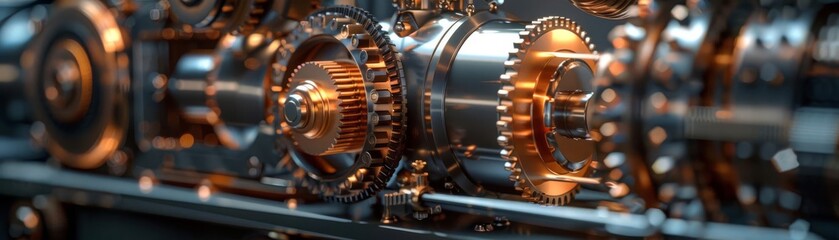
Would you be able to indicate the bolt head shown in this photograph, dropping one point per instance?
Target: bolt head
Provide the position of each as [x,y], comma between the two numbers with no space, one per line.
[293,111]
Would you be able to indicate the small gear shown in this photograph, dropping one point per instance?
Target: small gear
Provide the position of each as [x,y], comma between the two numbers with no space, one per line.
[328,131]
[524,90]
[358,148]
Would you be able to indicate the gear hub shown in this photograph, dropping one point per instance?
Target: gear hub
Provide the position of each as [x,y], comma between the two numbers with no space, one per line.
[326,108]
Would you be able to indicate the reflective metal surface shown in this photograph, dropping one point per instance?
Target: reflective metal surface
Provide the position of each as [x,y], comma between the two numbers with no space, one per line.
[468,107]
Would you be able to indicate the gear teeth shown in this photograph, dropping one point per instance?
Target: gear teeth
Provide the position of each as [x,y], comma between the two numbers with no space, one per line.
[513,53]
[508,80]
[540,198]
[507,154]
[351,104]
[502,125]
[504,141]
[519,43]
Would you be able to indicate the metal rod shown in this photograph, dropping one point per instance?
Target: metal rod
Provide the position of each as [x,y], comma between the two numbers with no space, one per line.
[625,224]
[581,180]
[584,56]
[568,218]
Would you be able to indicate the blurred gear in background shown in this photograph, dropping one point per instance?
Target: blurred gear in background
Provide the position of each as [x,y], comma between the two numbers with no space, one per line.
[713,106]
[77,84]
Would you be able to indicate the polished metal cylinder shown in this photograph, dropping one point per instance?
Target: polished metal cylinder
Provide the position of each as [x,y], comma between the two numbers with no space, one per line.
[471,98]
[240,81]
[452,97]
[188,86]
[569,113]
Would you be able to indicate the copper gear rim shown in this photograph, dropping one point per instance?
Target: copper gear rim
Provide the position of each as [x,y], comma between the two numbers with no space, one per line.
[88,140]
[387,152]
[516,150]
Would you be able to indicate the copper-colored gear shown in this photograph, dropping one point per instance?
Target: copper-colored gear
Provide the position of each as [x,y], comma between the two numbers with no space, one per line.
[523,90]
[332,116]
[345,35]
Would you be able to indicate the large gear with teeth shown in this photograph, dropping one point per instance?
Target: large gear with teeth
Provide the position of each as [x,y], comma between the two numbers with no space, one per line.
[338,64]
[667,105]
[668,88]
[534,152]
